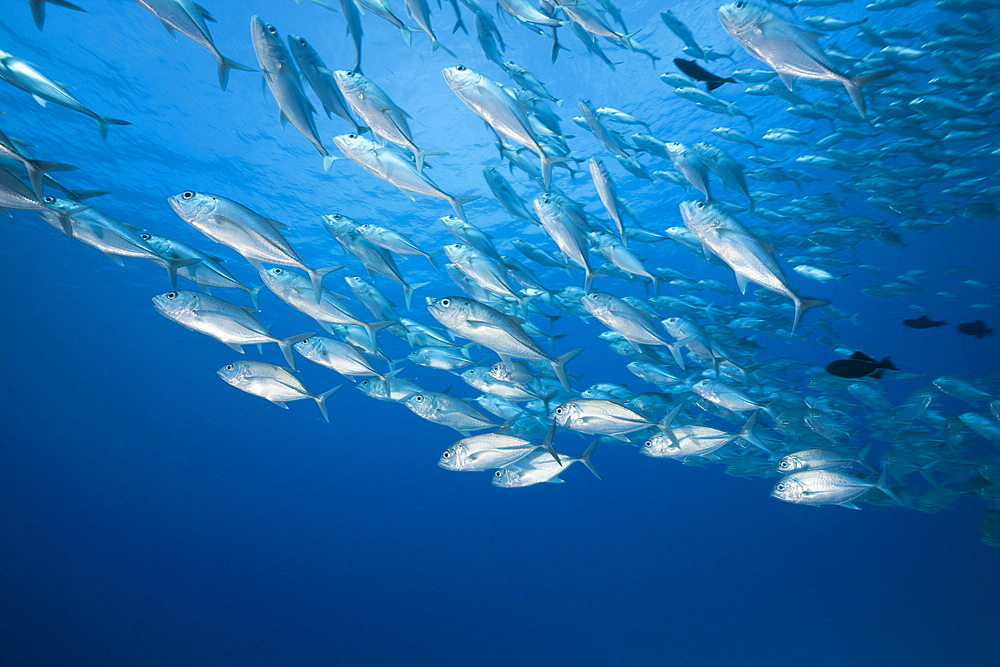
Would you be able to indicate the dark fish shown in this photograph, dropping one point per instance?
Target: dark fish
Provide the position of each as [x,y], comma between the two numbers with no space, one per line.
[977,329]
[860,365]
[924,322]
[699,73]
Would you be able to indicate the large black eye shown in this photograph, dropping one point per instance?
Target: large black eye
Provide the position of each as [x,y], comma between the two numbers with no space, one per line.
[349,74]
[302,41]
[171,295]
[229,367]
[700,205]
[648,443]
[740,5]
[446,455]
[276,271]
[560,410]
[145,237]
[352,136]
[271,29]
[445,303]
[364,383]
[783,465]
[49,200]
[780,487]
[187,194]
[498,473]
[461,68]
[418,398]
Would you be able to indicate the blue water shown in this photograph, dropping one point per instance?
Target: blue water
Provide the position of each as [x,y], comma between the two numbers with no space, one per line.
[152,515]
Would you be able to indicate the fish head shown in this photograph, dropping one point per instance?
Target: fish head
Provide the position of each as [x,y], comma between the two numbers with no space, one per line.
[266,40]
[303,51]
[351,83]
[740,18]
[374,388]
[310,347]
[658,445]
[176,304]
[566,413]
[461,77]
[448,309]
[234,373]
[453,458]
[452,222]
[508,478]
[705,388]
[421,403]
[789,464]
[475,374]
[675,149]
[353,144]
[277,277]
[697,215]
[456,251]
[596,303]
[789,489]
[339,225]
[59,204]
[193,206]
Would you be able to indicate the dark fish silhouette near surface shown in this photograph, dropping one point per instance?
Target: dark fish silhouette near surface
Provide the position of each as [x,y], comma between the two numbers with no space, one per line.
[699,73]
[977,329]
[860,365]
[924,322]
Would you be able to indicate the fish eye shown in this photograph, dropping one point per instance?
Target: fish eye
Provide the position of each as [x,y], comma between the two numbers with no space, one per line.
[445,303]
[352,136]
[700,205]
[365,382]
[446,455]
[349,73]
[171,295]
[461,68]
[780,487]
[302,41]
[783,465]
[187,194]
[49,200]
[145,237]
[271,29]
[740,5]
[498,473]
[648,443]
[229,367]
[276,271]
[560,410]
[418,398]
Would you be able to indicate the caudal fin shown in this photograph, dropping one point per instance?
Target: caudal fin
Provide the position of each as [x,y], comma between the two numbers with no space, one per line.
[317,275]
[321,401]
[854,84]
[286,346]
[559,363]
[802,304]
[104,121]
[224,65]
[585,459]
[457,202]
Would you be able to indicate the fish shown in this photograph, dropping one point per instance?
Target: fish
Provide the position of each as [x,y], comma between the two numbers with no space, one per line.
[698,73]
[283,81]
[490,450]
[825,487]
[38,10]
[492,329]
[322,81]
[22,74]
[224,321]
[860,365]
[189,18]
[257,238]
[977,329]
[489,101]
[338,356]
[273,383]
[540,466]
[788,49]
[924,322]
[600,417]
[442,408]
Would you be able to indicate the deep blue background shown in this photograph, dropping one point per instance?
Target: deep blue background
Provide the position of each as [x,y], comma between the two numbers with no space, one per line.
[152,515]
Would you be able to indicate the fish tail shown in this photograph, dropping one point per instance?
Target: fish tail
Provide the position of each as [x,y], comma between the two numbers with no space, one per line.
[547,163]
[407,34]
[286,346]
[747,433]
[888,365]
[224,65]
[174,264]
[884,488]
[547,443]
[559,363]
[104,121]
[854,84]
[255,295]
[321,401]
[457,202]
[802,304]
[408,291]
[77,195]
[712,85]
[585,458]
[317,275]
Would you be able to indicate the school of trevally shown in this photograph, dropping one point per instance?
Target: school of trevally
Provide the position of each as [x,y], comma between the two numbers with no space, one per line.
[819,137]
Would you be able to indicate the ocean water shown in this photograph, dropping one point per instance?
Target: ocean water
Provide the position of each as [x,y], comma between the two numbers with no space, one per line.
[151,514]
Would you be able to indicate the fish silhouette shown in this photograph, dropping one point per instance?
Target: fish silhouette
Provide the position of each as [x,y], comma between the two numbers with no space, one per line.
[860,365]
[699,73]
[977,329]
[924,322]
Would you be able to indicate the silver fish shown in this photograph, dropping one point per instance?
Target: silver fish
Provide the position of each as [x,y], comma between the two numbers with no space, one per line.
[271,382]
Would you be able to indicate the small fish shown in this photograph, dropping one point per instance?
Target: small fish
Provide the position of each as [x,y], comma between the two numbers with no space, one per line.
[924,322]
[860,365]
[271,382]
[977,329]
[698,73]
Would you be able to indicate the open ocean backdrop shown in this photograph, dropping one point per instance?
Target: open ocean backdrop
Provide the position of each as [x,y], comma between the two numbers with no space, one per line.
[150,514]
